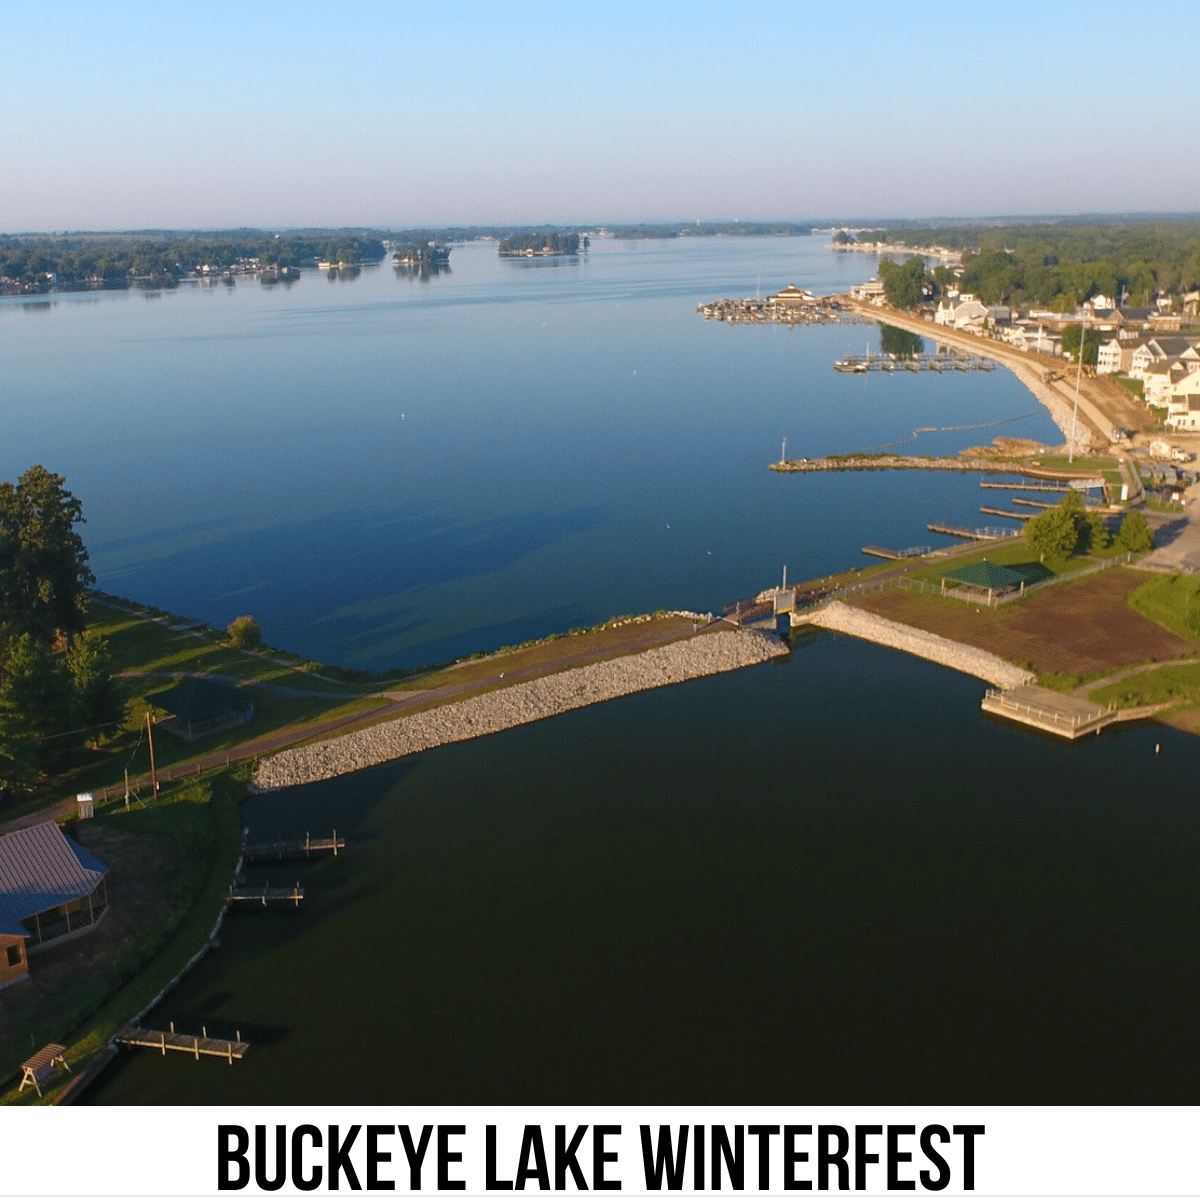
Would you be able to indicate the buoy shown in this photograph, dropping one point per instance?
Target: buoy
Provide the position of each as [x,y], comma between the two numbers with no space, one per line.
[1156,747]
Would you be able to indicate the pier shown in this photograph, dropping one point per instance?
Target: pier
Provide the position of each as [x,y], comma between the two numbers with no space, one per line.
[1026,487]
[266,895]
[134,1036]
[1004,512]
[304,847]
[988,533]
[895,555]
[797,309]
[1052,712]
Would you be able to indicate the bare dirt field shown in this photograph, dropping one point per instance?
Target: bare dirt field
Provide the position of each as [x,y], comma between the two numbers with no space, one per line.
[139,891]
[1080,629]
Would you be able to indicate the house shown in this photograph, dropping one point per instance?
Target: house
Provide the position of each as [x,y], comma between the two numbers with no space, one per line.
[961,312]
[1160,378]
[871,291]
[791,297]
[1183,401]
[1032,335]
[50,889]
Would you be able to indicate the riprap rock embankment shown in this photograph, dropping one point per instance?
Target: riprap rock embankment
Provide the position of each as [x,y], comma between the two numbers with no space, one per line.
[871,628]
[519,704]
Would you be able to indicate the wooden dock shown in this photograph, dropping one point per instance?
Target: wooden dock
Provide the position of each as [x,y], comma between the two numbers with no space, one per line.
[163,1040]
[1004,512]
[265,895]
[1033,503]
[1026,487]
[988,533]
[884,552]
[304,847]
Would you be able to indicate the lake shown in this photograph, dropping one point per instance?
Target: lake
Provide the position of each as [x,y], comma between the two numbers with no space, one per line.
[823,879]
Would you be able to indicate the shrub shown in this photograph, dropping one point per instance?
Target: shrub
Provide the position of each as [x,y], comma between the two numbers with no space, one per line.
[244,633]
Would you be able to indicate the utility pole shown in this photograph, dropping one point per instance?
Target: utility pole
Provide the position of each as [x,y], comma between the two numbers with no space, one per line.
[126,787]
[1078,375]
[153,774]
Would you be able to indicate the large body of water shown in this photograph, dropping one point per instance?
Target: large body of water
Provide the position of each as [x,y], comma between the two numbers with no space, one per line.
[822,880]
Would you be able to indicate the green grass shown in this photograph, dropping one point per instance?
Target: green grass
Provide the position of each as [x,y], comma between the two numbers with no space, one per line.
[201,818]
[1171,601]
[1015,555]
[1132,385]
[1057,462]
[1165,685]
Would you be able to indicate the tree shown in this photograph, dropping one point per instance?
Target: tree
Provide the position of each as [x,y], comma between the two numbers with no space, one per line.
[43,561]
[244,633]
[903,284]
[1095,533]
[96,704]
[1091,344]
[1053,534]
[1134,534]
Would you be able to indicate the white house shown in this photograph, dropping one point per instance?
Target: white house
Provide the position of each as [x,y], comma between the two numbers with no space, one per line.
[962,312]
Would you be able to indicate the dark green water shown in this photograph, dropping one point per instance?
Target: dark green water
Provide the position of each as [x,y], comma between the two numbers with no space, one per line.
[818,881]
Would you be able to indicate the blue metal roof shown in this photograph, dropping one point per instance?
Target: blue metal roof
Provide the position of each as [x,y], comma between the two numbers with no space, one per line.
[41,868]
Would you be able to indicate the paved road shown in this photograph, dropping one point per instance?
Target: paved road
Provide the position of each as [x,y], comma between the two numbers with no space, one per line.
[395,705]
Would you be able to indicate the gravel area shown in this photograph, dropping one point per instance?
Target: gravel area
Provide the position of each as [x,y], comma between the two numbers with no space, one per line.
[517,705]
[871,628]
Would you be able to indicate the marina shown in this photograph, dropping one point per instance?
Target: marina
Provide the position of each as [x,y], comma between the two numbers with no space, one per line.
[947,360]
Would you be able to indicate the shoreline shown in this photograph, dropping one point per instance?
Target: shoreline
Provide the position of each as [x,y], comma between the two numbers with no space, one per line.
[519,704]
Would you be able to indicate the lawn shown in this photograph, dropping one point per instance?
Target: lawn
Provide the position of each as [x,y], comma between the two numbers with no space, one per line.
[1173,601]
[1079,629]
[1015,554]
[1164,685]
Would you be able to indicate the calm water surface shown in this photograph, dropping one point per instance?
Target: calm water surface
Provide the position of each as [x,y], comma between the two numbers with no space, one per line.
[823,880]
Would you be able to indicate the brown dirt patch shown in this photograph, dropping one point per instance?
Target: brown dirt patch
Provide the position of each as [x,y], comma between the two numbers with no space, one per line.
[1186,719]
[139,891]
[1082,628]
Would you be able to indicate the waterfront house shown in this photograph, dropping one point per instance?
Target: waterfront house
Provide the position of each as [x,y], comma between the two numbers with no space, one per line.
[871,291]
[1183,401]
[791,297]
[962,312]
[50,889]
[198,706]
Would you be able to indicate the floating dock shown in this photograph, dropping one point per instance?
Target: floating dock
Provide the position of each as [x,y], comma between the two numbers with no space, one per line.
[853,364]
[163,1040]
[304,847]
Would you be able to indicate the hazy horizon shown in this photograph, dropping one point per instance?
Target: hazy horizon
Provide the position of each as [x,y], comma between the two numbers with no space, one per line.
[129,116]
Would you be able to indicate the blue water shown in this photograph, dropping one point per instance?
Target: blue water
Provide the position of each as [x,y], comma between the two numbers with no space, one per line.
[817,880]
[388,472]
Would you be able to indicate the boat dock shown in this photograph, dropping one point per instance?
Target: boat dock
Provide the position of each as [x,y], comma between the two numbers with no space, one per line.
[988,533]
[265,895]
[1004,512]
[304,847]
[894,555]
[163,1040]
[1026,487]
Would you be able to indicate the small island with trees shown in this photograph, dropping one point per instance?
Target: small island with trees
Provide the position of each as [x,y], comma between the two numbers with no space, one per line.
[542,245]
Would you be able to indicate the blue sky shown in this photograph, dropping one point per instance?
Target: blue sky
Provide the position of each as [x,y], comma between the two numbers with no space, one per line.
[134,115]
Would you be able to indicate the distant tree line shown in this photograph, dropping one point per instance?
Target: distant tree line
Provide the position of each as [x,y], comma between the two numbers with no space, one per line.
[81,260]
[541,243]
[1060,266]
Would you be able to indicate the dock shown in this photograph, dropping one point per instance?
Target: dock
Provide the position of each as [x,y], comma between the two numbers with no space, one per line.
[988,533]
[1026,487]
[1033,503]
[1004,512]
[894,555]
[133,1036]
[265,895]
[304,847]
[856,365]
[1052,712]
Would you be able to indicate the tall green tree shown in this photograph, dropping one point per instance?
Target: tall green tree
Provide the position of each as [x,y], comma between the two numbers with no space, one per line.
[44,569]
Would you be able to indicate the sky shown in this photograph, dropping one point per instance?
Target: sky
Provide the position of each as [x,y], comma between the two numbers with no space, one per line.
[131,115]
